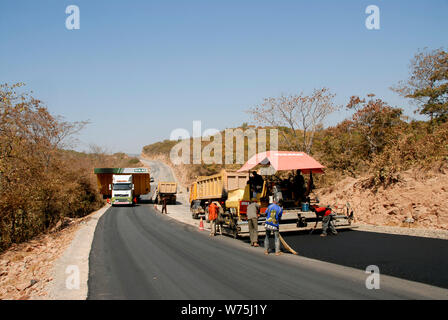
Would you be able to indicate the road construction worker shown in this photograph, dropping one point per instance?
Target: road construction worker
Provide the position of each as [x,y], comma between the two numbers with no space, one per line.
[164,209]
[212,217]
[299,186]
[327,220]
[273,215]
[256,184]
[277,193]
[327,223]
[253,211]
[220,219]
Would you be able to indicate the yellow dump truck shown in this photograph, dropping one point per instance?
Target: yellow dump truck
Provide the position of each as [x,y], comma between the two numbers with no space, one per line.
[138,183]
[166,190]
[196,206]
[217,188]
[193,191]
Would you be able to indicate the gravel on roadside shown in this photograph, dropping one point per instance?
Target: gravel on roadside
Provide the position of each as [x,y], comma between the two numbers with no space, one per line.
[27,269]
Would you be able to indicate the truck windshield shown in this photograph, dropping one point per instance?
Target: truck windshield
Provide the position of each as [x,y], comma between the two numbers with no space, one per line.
[122,186]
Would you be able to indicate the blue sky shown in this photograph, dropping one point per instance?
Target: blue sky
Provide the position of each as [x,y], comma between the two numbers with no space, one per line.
[139,69]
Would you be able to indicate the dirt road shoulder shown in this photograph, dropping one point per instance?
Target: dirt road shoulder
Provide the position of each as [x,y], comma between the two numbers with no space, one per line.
[71,270]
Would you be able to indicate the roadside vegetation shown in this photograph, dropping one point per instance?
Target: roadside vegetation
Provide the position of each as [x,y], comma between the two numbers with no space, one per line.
[42,181]
[376,142]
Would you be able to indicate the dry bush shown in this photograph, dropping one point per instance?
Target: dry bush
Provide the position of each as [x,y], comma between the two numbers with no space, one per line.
[302,115]
[40,182]
[419,145]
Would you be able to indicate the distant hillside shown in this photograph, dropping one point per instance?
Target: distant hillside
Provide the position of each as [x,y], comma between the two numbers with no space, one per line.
[187,173]
[379,150]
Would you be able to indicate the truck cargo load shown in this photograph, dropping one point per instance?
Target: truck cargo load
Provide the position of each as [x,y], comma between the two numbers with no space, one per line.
[140,179]
[216,187]
[166,190]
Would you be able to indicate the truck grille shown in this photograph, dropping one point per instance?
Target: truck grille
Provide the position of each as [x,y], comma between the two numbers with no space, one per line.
[122,195]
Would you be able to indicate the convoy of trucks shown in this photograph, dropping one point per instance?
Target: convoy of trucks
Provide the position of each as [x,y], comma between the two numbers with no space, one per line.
[123,186]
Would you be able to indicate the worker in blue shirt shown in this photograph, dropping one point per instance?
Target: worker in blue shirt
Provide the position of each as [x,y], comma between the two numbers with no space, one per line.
[273,215]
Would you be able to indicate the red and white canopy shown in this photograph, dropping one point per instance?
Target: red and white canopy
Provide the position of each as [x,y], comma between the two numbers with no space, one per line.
[284,160]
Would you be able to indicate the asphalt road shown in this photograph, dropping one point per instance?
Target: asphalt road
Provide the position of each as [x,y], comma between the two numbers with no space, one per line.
[137,253]
[413,258]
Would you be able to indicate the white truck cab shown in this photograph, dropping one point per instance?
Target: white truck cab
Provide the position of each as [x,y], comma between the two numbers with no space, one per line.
[122,189]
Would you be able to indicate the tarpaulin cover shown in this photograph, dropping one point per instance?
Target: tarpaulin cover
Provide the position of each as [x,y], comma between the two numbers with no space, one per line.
[284,160]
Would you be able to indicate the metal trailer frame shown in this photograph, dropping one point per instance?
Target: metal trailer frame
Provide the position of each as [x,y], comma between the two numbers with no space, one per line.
[293,220]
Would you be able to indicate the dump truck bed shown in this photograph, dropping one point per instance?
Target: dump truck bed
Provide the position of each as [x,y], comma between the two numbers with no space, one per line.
[218,185]
[167,188]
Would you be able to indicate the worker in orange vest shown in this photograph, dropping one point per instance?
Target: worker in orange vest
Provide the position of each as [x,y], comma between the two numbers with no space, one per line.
[212,217]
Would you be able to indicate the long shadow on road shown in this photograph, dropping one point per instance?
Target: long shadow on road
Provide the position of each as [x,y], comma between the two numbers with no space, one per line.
[413,258]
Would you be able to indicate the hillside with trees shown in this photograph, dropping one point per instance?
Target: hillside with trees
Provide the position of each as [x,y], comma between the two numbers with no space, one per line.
[42,181]
[377,148]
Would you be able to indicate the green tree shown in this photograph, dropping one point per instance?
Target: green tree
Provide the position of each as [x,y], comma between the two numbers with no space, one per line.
[428,83]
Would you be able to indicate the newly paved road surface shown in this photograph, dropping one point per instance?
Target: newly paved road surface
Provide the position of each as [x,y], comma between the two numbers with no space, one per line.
[139,254]
[413,258]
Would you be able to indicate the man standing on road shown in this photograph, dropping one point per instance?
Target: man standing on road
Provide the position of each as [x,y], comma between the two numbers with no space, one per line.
[212,216]
[273,215]
[164,209]
[253,211]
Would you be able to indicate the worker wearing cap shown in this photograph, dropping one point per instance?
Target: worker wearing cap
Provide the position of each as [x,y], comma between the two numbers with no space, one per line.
[253,211]
[273,215]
